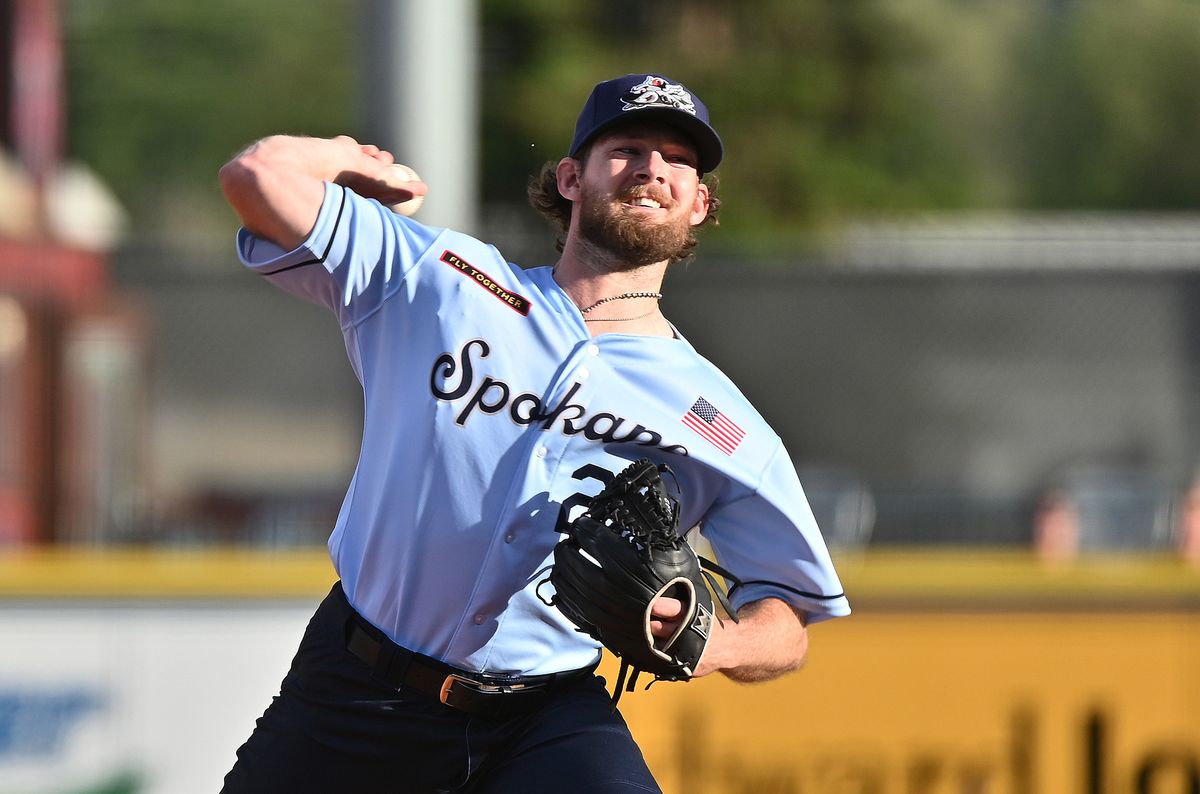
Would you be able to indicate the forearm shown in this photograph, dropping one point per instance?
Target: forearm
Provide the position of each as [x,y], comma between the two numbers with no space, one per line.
[769,640]
[276,185]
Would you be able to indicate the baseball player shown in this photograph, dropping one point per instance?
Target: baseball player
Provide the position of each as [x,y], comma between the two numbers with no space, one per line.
[496,399]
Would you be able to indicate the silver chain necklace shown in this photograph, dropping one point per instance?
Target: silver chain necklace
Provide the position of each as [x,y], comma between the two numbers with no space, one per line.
[622,296]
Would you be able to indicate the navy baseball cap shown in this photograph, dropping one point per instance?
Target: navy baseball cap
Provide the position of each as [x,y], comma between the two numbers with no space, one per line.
[638,96]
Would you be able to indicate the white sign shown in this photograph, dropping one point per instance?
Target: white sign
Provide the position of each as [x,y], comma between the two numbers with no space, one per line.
[136,697]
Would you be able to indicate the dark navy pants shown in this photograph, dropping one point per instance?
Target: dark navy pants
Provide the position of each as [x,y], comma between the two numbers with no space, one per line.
[336,728]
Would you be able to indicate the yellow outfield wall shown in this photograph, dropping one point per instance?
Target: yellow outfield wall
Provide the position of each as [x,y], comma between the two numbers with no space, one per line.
[1056,703]
[963,673]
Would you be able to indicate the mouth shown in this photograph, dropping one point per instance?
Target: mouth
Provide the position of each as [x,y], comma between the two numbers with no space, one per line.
[642,202]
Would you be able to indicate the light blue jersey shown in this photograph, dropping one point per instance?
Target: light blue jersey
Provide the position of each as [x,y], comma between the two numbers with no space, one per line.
[489,408]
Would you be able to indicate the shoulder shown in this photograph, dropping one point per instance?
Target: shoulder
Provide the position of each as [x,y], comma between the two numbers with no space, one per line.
[481,269]
[716,391]
[706,413]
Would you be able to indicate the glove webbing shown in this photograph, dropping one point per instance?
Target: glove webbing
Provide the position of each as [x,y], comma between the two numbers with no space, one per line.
[622,504]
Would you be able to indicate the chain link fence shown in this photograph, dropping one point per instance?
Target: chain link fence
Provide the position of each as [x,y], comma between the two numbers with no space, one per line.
[933,382]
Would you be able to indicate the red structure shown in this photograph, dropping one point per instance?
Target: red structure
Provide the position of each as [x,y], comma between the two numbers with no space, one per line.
[48,290]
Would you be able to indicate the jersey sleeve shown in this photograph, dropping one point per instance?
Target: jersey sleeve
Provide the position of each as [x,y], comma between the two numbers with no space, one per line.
[355,257]
[768,538]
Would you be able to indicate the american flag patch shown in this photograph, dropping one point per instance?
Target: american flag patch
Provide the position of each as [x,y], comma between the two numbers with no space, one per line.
[715,426]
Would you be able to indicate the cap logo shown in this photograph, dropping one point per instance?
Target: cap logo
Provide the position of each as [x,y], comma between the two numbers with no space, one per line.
[655,92]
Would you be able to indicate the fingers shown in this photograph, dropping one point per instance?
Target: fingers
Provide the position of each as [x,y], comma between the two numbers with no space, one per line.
[666,607]
[369,149]
[407,188]
[665,613]
[374,152]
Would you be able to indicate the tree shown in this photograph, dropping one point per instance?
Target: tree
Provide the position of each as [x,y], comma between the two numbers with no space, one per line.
[160,94]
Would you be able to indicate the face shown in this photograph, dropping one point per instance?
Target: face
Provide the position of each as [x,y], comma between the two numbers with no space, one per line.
[638,195]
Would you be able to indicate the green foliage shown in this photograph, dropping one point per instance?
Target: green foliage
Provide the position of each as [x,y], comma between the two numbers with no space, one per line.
[830,109]
[160,94]
[1111,107]
[814,100]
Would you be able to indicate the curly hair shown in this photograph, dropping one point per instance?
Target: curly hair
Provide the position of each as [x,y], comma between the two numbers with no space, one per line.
[544,197]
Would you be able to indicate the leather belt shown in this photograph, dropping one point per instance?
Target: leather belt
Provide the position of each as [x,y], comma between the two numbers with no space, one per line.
[474,693]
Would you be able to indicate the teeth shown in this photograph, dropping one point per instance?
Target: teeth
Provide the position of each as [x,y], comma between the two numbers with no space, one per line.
[645,202]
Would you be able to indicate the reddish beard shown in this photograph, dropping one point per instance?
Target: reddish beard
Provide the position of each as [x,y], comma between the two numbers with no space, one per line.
[628,234]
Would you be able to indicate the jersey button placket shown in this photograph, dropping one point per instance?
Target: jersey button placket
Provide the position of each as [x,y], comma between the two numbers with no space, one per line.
[569,407]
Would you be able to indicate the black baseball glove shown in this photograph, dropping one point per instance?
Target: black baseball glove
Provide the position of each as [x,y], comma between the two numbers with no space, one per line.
[620,555]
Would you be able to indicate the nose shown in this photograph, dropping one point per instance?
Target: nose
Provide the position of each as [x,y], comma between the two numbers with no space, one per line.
[653,168]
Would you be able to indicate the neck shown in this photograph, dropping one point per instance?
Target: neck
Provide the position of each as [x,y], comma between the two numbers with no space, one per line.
[588,274]
[588,279]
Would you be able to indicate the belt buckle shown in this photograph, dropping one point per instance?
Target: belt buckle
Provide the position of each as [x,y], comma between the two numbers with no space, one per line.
[475,686]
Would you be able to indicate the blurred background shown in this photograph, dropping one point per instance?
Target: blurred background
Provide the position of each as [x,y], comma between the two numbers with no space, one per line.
[957,268]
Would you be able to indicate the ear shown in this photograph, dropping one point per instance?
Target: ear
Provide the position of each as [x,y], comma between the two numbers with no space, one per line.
[569,173]
[700,207]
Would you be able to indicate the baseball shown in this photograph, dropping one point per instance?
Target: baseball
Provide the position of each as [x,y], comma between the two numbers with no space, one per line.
[403,173]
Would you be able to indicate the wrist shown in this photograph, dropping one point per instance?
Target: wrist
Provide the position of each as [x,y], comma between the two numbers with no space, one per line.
[322,159]
[716,656]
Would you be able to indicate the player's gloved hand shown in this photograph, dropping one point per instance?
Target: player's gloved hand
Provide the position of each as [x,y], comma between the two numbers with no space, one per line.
[626,577]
